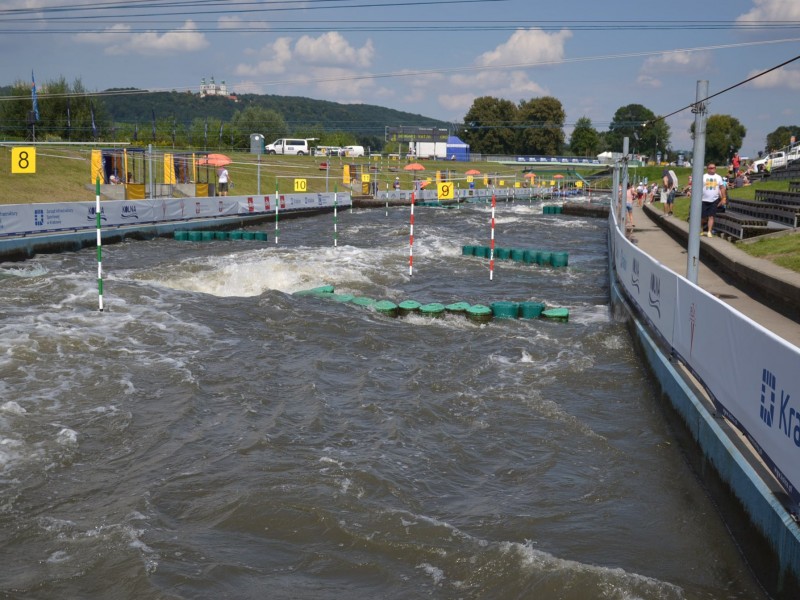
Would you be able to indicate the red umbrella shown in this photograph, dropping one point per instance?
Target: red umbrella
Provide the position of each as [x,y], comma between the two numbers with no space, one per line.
[414,167]
[531,175]
[472,172]
[559,176]
[214,160]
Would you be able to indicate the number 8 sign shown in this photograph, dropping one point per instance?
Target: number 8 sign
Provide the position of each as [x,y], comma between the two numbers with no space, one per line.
[445,190]
[23,160]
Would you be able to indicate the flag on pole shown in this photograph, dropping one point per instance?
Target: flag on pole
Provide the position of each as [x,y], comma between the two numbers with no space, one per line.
[173,131]
[94,126]
[33,97]
[205,135]
[153,111]
[136,132]
[220,133]
[69,121]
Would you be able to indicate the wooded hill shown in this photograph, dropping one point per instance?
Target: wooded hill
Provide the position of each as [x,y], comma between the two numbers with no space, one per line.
[298,112]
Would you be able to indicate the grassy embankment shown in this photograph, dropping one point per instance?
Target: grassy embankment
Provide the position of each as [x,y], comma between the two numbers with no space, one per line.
[63,174]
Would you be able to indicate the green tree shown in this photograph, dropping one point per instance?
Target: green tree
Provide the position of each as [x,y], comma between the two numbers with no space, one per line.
[542,126]
[629,122]
[782,136]
[255,119]
[584,141]
[489,126]
[724,135]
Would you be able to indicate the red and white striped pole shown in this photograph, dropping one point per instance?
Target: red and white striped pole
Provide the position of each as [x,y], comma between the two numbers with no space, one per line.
[411,240]
[491,246]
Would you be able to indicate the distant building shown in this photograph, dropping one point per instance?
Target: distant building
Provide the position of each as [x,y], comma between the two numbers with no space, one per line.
[213,89]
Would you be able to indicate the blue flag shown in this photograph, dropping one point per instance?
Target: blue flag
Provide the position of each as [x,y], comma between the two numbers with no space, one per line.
[33,96]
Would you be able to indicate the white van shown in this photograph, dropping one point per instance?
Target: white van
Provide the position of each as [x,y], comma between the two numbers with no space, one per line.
[287,146]
[352,151]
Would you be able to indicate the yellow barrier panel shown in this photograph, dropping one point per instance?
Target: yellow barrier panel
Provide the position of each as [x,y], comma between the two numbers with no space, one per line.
[134,191]
[201,190]
[97,166]
[169,169]
[346,174]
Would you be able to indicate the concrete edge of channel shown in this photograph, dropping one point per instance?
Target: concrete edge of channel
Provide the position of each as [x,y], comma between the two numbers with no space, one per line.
[779,287]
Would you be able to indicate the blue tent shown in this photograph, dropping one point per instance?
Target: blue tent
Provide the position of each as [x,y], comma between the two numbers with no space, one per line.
[457,149]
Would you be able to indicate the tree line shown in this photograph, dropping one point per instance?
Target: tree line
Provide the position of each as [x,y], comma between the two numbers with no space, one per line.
[491,126]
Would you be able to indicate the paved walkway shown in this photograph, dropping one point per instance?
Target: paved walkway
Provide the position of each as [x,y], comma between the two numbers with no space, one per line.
[664,238]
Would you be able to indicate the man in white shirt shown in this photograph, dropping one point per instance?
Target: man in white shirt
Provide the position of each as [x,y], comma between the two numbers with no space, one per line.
[714,195]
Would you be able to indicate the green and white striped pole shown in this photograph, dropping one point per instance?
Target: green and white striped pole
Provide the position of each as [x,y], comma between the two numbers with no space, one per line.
[277,206]
[335,215]
[99,245]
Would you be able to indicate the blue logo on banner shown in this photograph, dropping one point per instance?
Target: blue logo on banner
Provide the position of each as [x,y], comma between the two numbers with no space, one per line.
[635,274]
[92,214]
[38,217]
[655,293]
[128,211]
[788,416]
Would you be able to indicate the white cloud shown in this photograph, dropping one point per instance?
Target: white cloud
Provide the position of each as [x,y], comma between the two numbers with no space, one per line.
[332,48]
[680,61]
[184,39]
[772,10]
[780,78]
[276,57]
[238,23]
[527,46]
[648,81]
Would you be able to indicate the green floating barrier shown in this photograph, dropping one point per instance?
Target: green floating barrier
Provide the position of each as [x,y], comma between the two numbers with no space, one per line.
[530,310]
[457,307]
[502,253]
[505,310]
[386,307]
[479,313]
[323,289]
[518,254]
[220,235]
[249,235]
[340,297]
[467,250]
[482,251]
[207,236]
[261,236]
[556,314]
[195,236]
[236,235]
[559,259]
[543,258]
[408,306]
[181,236]
[363,301]
[433,309]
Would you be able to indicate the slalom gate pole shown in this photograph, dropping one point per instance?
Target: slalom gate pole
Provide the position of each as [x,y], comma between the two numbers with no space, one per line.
[277,206]
[387,199]
[99,246]
[411,240]
[335,217]
[491,245]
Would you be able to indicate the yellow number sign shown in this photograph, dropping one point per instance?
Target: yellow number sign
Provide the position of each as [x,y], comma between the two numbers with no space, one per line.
[23,160]
[365,177]
[470,179]
[300,185]
[445,190]
[579,184]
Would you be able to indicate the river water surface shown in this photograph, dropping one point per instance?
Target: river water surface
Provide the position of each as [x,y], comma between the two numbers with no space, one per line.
[210,435]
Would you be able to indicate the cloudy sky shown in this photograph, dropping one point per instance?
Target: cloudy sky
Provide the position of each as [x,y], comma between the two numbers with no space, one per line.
[430,57]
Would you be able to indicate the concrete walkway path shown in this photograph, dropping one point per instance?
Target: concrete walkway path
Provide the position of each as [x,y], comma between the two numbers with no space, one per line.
[766,293]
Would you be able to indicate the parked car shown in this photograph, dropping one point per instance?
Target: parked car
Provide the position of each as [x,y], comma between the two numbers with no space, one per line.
[794,154]
[287,146]
[777,160]
[352,151]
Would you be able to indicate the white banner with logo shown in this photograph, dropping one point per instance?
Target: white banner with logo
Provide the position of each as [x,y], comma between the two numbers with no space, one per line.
[752,374]
[27,219]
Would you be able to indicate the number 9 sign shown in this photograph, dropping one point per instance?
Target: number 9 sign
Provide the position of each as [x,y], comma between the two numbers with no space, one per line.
[445,190]
[23,160]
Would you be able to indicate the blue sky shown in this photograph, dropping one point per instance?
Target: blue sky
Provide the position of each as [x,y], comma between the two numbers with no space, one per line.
[430,57]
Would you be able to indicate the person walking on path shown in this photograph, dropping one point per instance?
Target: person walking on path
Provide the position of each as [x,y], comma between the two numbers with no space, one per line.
[714,195]
[629,198]
[224,180]
[671,187]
